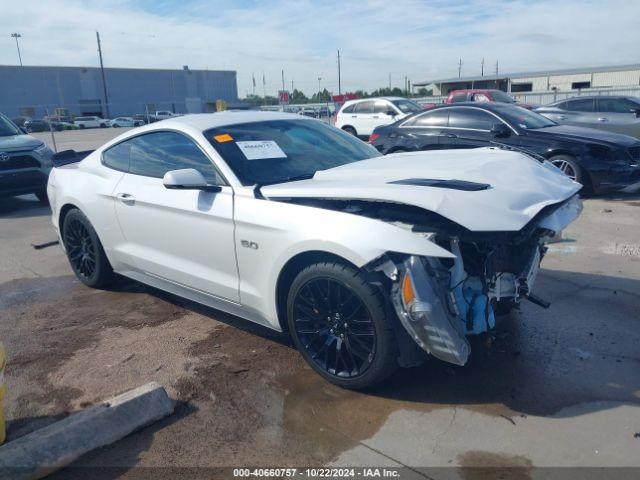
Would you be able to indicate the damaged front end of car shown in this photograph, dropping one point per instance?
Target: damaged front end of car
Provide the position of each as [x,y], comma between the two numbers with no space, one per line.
[440,302]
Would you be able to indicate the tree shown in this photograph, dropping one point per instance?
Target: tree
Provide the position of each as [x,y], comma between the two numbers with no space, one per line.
[298,96]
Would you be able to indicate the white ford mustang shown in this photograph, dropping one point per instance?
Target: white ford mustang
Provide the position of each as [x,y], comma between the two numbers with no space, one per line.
[367,261]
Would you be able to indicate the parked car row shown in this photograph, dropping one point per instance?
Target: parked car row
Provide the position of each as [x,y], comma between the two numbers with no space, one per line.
[59,123]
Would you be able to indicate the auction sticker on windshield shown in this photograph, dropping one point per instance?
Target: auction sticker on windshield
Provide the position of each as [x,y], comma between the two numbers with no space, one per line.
[261,149]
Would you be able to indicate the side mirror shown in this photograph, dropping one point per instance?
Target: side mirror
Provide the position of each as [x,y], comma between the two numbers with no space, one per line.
[500,130]
[188,179]
[636,112]
[392,113]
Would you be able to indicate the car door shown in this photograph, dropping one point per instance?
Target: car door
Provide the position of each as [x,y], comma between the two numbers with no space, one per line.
[183,236]
[580,112]
[362,116]
[423,132]
[469,127]
[618,115]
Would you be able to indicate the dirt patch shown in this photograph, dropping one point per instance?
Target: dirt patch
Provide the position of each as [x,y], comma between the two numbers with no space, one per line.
[479,465]
[45,321]
[121,359]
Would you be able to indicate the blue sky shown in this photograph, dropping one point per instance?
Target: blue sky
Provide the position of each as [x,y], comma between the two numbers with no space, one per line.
[419,39]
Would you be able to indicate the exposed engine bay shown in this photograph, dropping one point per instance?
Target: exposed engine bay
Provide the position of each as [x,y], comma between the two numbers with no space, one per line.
[441,301]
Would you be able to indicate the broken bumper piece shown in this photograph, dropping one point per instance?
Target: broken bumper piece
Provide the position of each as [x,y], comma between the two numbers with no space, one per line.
[423,310]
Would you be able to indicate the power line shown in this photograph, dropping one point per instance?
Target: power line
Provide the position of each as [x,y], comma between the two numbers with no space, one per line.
[104,81]
[17,36]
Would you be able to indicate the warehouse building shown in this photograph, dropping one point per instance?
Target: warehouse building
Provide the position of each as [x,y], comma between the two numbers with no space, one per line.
[565,81]
[37,91]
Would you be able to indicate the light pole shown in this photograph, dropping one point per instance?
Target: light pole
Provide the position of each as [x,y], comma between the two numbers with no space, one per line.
[17,36]
[319,79]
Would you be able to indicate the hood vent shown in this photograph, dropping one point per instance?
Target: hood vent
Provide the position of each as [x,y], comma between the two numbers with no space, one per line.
[439,183]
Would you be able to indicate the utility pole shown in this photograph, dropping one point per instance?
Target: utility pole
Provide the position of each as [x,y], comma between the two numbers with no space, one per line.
[17,36]
[496,67]
[389,81]
[406,86]
[459,68]
[482,68]
[283,80]
[264,88]
[104,81]
[253,80]
[292,85]
[339,83]
[319,79]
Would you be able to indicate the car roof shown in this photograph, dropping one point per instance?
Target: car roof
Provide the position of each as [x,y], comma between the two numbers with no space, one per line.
[205,121]
[476,90]
[358,100]
[594,97]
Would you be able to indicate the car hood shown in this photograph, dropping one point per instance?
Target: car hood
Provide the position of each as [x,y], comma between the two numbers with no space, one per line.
[516,187]
[18,142]
[588,135]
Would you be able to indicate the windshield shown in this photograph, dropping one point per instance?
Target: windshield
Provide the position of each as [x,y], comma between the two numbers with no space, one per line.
[7,128]
[281,150]
[407,106]
[500,96]
[524,118]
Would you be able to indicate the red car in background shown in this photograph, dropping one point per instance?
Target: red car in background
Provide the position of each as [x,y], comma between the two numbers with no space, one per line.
[484,95]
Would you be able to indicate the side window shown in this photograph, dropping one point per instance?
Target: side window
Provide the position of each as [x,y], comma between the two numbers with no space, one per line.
[348,109]
[383,107]
[364,107]
[154,154]
[561,105]
[436,118]
[616,105]
[117,157]
[471,118]
[584,105]
[459,97]
[480,97]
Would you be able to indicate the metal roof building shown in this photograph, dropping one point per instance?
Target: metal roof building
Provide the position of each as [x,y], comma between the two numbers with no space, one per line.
[573,79]
[33,91]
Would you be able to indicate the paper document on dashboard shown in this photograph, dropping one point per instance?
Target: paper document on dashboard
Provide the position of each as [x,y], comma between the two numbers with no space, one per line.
[258,150]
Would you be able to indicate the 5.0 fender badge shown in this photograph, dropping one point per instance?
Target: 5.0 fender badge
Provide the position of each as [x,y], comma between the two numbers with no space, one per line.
[248,244]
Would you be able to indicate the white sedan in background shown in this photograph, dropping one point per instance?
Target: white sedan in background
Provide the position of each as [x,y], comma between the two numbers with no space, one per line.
[91,122]
[125,122]
[367,261]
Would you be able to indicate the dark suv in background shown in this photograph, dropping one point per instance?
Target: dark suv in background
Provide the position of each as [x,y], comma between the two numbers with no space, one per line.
[25,162]
[602,161]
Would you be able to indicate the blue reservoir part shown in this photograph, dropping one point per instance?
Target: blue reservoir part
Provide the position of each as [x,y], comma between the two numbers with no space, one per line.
[472,304]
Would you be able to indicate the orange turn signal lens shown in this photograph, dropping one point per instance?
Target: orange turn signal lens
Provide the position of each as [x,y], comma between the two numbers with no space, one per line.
[408,295]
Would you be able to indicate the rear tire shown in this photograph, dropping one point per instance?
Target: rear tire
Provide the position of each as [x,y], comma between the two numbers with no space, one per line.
[339,324]
[350,130]
[84,251]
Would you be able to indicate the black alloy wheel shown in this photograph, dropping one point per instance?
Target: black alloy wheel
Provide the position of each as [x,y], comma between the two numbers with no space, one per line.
[339,324]
[84,251]
[335,327]
[80,248]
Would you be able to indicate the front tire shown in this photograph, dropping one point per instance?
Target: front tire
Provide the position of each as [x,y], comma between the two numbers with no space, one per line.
[569,166]
[339,324]
[84,251]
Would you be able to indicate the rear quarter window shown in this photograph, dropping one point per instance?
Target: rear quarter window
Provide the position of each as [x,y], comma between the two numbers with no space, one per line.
[118,157]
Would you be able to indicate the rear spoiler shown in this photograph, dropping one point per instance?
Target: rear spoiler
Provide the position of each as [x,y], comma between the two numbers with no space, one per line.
[69,156]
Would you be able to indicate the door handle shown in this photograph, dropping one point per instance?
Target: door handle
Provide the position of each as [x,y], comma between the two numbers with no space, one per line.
[376,116]
[561,117]
[126,198]
[451,135]
[354,116]
[603,119]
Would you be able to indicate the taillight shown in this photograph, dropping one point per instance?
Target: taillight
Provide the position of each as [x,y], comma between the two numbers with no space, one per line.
[373,137]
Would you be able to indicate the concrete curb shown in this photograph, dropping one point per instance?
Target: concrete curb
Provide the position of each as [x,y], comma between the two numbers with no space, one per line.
[54,446]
